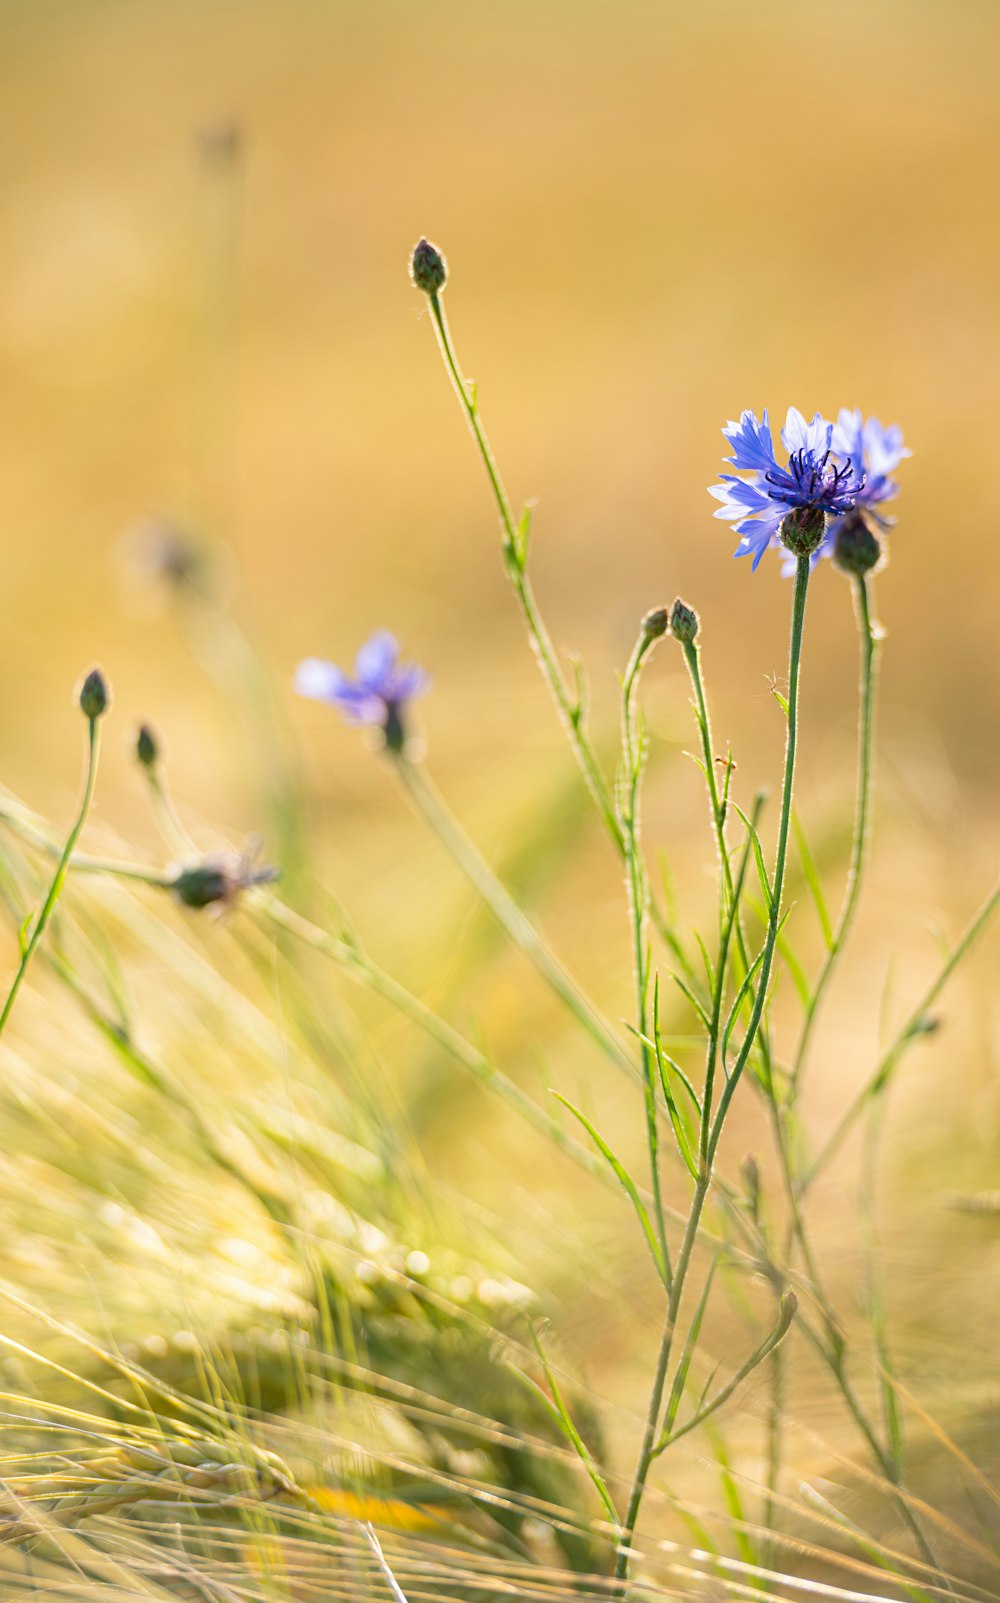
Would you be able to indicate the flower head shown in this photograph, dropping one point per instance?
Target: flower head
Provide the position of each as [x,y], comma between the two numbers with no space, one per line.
[428,268]
[820,480]
[94,696]
[218,880]
[377,694]
[873,452]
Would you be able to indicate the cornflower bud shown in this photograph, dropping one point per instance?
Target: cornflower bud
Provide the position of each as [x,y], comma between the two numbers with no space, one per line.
[220,879]
[94,695]
[656,623]
[856,547]
[802,531]
[428,268]
[146,750]
[684,622]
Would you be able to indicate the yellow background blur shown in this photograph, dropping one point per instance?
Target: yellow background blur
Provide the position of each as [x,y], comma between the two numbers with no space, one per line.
[654,214]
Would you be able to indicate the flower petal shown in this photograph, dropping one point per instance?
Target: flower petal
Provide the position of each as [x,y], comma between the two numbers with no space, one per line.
[376,660]
[753,448]
[319,680]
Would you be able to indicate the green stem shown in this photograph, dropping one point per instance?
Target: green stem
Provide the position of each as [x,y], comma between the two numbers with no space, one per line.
[648,1447]
[23,825]
[730,921]
[569,706]
[364,972]
[511,918]
[781,854]
[38,929]
[647,1451]
[868,638]
[915,1026]
[637,885]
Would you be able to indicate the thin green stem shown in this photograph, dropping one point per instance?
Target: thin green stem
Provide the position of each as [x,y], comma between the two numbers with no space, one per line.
[781,854]
[916,1025]
[30,944]
[359,967]
[637,886]
[868,639]
[569,704]
[651,1429]
[511,918]
[647,1451]
[24,826]
[786,1314]
[730,914]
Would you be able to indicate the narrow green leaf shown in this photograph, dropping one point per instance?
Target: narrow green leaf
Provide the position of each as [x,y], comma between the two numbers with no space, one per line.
[795,969]
[522,533]
[692,998]
[758,853]
[684,1364]
[557,1408]
[625,1181]
[812,879]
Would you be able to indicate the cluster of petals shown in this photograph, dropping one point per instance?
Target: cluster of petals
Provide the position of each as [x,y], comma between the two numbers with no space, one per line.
[832,468]
[381,685]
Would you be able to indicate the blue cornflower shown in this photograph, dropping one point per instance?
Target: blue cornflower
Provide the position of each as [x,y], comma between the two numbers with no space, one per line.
[820,481]
[873,452]
[377,694]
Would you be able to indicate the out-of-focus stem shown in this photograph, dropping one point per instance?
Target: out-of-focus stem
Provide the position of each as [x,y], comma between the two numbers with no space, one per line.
[512,919]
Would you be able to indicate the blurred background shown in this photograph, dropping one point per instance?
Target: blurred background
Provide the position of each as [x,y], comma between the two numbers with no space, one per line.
[654,215]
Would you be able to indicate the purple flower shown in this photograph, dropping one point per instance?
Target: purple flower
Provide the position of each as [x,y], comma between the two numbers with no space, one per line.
[377,694]
[821,476]
[873,452]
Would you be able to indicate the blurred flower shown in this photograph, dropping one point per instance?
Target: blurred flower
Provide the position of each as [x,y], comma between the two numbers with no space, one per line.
[820,480]
[147,749]
[377,694]
[220,878]
[94,696]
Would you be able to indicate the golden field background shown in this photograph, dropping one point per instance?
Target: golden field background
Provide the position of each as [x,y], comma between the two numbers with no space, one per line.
[654,215]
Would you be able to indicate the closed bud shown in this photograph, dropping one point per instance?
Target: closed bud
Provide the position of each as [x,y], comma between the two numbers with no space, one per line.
[201,886]
[656,623]
[428,268]
[94,695]
[220,879]
[146,750]
[856,547]
[750,1173]
[802,531]
[684,622]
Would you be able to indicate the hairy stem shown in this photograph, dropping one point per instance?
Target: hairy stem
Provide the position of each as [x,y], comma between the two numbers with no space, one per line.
[781,855]
[868,638]
[568,703]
